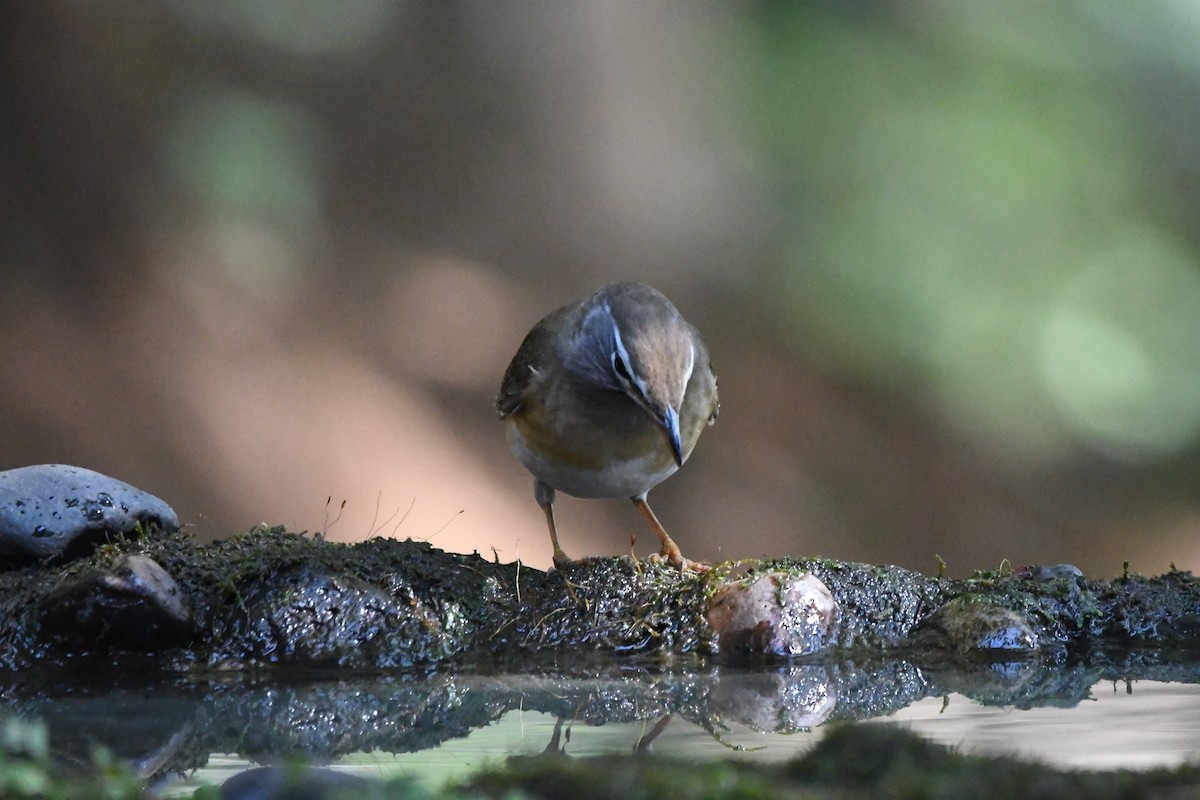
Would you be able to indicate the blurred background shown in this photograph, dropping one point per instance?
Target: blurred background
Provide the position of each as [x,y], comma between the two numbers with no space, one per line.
[268,260]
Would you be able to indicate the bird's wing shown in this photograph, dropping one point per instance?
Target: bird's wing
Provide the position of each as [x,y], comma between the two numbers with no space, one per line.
[532,355]
[704,363]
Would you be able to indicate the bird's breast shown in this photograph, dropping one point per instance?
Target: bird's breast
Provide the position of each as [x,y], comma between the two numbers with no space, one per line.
[624,455]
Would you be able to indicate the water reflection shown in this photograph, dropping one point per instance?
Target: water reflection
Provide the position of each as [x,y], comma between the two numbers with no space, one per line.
[1140,725]
[444,724]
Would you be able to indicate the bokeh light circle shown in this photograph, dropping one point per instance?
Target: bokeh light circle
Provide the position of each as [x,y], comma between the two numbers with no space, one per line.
[1120,352]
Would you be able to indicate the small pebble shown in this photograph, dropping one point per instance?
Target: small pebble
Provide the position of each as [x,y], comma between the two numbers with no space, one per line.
[774,613]
[969,624]
[1052,572]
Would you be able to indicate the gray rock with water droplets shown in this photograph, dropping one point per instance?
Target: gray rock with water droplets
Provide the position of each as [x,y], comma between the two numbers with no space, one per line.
[57,510]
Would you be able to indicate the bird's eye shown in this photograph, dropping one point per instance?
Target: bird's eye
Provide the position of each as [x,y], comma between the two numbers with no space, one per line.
[621,368]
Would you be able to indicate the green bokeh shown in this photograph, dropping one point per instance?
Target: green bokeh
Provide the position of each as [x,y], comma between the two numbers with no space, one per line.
[944,182]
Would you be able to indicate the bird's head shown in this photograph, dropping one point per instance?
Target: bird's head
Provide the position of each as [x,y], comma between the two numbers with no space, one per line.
[638,343]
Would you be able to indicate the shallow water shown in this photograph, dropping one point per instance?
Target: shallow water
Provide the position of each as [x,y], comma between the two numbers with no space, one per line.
[1136,725]
[1154,724]
[446,725]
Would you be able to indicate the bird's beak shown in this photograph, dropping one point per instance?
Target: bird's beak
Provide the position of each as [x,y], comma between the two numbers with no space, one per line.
[670,425]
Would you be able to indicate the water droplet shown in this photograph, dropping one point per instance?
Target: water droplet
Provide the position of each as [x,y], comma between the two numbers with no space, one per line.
[94,514]
[41,532]
[104,499]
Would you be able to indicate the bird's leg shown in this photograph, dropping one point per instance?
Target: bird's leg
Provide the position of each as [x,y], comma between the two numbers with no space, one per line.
[553,748]
[544,494]
[670,550]
[643,743]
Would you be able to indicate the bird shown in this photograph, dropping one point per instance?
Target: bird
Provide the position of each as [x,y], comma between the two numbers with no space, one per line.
[606,398]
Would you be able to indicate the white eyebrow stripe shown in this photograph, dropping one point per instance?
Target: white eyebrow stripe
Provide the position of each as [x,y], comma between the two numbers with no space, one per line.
[621,351]
[624,354]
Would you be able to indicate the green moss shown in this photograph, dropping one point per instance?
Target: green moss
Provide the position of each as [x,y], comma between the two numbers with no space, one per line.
[878,606]
[27,769]
[886,762]
[850,760]
[623,778]
[882,761]
[614,604]
[435,606]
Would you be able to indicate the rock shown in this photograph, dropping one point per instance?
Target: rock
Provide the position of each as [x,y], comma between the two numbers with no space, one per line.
[56,510]
[281,783]
[1051,572]
[777,613]
[135,606]
[306,617]
[968,623]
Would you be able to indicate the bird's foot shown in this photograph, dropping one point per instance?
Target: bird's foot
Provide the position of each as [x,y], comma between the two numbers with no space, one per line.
[676,559]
